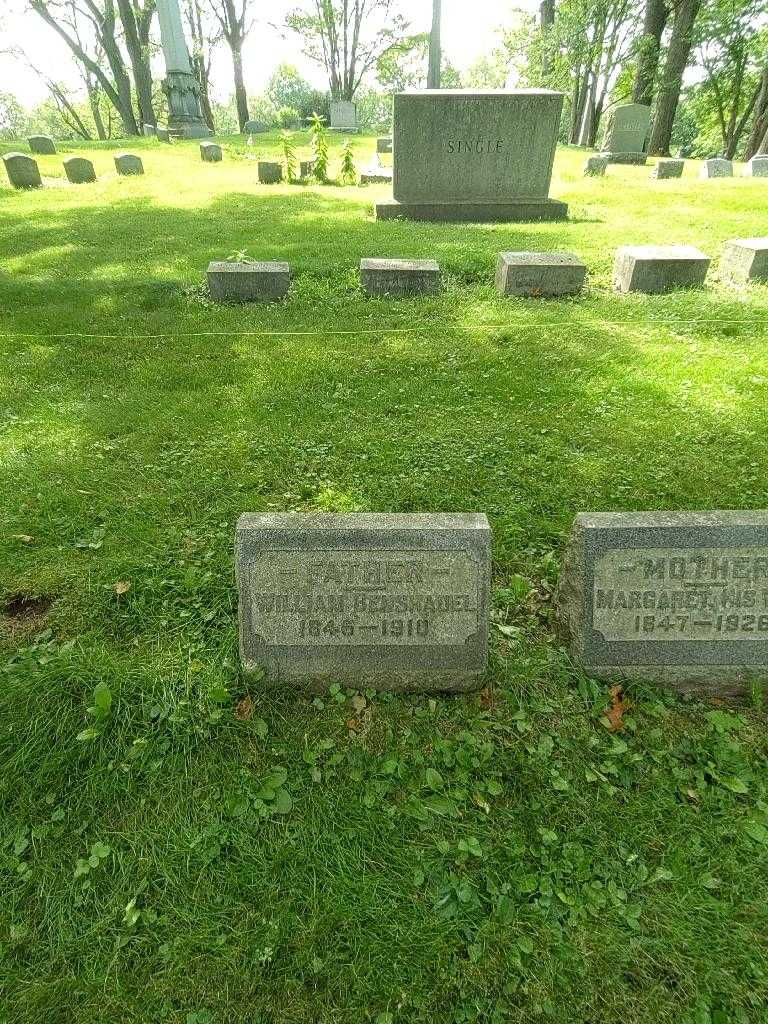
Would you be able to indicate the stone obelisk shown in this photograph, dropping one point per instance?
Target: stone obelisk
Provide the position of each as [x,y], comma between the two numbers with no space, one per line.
[180,85]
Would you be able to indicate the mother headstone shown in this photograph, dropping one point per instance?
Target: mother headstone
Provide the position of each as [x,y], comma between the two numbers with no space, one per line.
[22,170]
[79,171]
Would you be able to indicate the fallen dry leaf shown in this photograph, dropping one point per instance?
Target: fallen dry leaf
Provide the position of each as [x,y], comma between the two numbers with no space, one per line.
[615,713]
[121,587]
[244,709]
[23,537]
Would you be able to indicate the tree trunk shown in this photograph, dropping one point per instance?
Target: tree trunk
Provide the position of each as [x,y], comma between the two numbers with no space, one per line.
[654,23]
[760,123]
[589,112]
[578,112]
[93,103]
[547,20]
[435,53]
[241,96]
[199,62]
[678,53]
[139,56]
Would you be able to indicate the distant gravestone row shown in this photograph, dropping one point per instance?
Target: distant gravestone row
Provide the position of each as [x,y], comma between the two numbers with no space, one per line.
[23,171]
[402,601]
[672,167]
[650,269]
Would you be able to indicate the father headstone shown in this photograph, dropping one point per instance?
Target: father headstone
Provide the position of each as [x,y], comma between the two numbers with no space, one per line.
[626,133]
[231,281]
[22,170]
[343,116]
[395,602]
[757,167]
[746,259]
[42,144]
[399,277]
[474,155]
[128,163]
[677,598]
[79,170]
[717,167]
[668,168]
[539,274]
[655,269]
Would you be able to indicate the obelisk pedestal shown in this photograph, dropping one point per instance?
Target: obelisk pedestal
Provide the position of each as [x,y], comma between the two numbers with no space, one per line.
[180,85]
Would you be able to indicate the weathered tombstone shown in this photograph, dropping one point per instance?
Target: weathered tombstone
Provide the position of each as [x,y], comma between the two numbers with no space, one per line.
[677,598]
[230,281]
[343,116]
[539,274]
[746,259]
[395,602]
[399,277]
[306,168]
[659,268]
[22,170]
[595,166]
[626,132]
[270,172]
[255,128]
[473,155]
[757,167]
[163,133]
[384,144]
[150,130]
[376,176]
[79,171]
[128,163]
[211,152]
[668,168]
[42,144]
[717,167]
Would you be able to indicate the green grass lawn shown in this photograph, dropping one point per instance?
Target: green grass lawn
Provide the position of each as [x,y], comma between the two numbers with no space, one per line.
[218,854]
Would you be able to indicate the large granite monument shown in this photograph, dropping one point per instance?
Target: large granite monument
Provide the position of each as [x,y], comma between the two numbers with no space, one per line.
[678,598]
[396,602]
[626,134]
[474,155]
[180,84]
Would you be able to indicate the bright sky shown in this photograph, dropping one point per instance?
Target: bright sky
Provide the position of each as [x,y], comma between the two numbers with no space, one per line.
[468,32]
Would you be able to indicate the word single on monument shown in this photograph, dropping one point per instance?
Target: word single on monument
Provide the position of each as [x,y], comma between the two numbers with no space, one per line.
[396,602]
[626,134]
[474,155]
[678,598]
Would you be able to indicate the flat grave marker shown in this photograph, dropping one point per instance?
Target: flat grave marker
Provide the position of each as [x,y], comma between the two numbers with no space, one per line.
[539,274]
[669,167]
[399,277]
[655,269]
[239,281]
[746,259]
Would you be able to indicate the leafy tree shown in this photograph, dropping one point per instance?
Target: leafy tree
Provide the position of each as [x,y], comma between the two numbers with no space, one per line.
[13,119]
[287,88]
[401,66]
[136,16]
[347,37]
[233,17]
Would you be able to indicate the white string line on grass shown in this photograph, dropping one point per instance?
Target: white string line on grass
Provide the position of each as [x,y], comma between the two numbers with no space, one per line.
[433,329]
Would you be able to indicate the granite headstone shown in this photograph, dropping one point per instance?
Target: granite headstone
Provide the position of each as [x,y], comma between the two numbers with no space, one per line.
[22,170]
[42,144]
[626,132]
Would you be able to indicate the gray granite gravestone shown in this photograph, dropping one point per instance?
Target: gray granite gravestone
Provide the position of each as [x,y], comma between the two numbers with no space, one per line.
[717,167]
[474,155]
[539,274]
[22,170]
[343,116]
[270,172]
[230,281]
[399,277]
[395,602]
[659,268]
[746,259]
[678,598]
[595,166]
[626,131]
[255,128]
[150,130]
[128,163]
[42,144]
[757,167]
[670,167]
[162,133]
[211,152]
[79,171]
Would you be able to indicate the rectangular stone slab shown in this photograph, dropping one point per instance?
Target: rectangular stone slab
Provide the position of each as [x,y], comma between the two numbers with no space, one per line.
[626,130]
[399,277]
[655,269]
[677,598]
[717,167]
[746,259]
[757,167]
[270,172]
[395,602]
[518,211]
[230,281]
[474,146]
[539,274]
[668,168]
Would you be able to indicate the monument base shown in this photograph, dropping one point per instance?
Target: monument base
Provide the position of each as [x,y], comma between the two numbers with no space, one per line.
[474,213]
[640,159]
[185,117]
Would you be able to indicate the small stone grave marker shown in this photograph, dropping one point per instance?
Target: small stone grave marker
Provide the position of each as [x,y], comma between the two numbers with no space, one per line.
[595,166]
[669,167]
[150,131]
[746,259]
[163,133]
[230,281]
[539,274]
[757,167]
[270,172]
[395,602]
[79,171]
[677,598]
[211,152]
[399,277]
[659,268]
[626,131]
[22,170]
[42,144]
[716,168]
[128,163]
